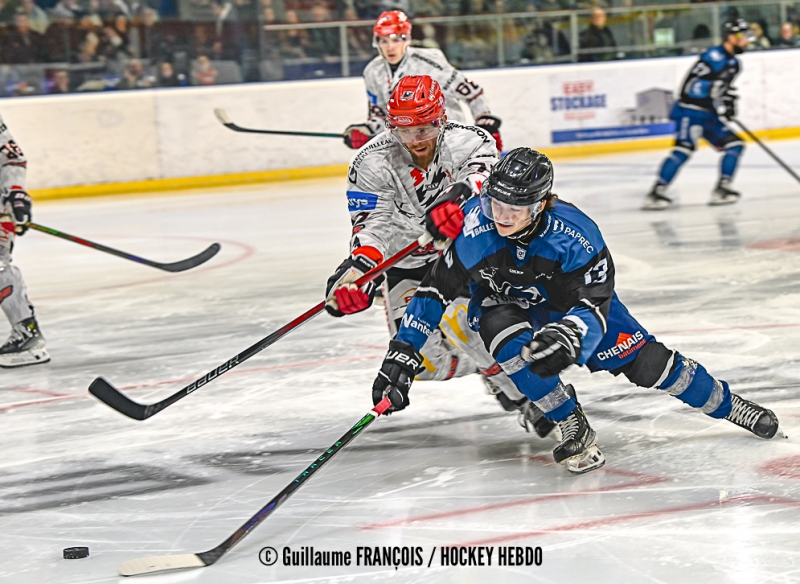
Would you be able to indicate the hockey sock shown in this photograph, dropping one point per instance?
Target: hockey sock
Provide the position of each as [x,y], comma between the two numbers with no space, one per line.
[689,381]
[730,161]
[670,166]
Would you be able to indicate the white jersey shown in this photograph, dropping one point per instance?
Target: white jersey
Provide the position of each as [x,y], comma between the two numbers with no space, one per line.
[388,195]
[380,82]
[13,163]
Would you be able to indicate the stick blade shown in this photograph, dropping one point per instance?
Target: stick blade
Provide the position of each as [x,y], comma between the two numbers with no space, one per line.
[223,116]
[193,261]
[113,398]
[160,564]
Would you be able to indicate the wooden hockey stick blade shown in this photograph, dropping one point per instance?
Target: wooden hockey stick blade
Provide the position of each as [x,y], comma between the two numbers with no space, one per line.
[226,121]
[191,262]
[160,564]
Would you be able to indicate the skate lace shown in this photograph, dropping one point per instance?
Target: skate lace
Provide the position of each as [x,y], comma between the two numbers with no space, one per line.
[743,414]
[569,427]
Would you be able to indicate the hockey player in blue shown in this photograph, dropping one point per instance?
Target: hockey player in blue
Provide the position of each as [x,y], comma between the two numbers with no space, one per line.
[706,103]
[542,298]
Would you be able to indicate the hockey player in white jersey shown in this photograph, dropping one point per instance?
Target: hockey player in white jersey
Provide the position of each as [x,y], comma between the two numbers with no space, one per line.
[409,179]
[25,345]
[397,59]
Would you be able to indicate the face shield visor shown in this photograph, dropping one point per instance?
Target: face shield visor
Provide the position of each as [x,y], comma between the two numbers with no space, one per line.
[410,135]
[508,216]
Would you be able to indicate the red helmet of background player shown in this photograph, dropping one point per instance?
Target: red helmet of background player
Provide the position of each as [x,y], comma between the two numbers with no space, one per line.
[392,23]
[415,101]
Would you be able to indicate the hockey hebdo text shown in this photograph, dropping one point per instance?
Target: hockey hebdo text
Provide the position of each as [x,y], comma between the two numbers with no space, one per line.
[403,556]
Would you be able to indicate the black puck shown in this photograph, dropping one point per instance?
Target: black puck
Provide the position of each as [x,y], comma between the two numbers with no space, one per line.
[75,553]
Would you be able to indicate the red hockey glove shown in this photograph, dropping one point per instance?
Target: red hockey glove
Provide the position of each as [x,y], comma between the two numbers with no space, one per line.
[343,296]
[445,218]
[356,135]
[491,124]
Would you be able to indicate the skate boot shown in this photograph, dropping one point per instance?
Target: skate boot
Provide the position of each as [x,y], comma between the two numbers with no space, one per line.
[530,416]
[751,416]
[577,450]
[723,194]
[25,345]
[656,200]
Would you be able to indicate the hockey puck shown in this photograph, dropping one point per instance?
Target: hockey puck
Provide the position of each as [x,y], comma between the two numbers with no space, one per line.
[76,553]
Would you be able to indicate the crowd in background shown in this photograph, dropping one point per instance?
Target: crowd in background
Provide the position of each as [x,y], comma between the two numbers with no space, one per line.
[60,46]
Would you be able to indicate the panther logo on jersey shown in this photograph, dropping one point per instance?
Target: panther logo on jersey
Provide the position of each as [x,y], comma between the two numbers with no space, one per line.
[504,287]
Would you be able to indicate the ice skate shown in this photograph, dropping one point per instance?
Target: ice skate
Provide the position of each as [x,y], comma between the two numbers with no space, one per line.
[723,194]
[25,345]
[577,450]
[751,416]
[530,416]
[656,200]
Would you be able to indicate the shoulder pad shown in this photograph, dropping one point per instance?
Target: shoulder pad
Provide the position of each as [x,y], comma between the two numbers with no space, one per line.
[460,132]
[716,57]
[426,59]
[478,237]
[568,229]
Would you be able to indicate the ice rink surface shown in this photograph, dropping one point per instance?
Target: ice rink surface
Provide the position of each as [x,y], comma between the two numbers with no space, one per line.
[682,498]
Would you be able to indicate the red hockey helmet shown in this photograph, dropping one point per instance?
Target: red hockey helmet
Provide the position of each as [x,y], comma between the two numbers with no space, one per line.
[415,101]
[392,22]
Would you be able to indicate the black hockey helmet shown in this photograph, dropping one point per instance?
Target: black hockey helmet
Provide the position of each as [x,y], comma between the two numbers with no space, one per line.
[735,26]
[523,177]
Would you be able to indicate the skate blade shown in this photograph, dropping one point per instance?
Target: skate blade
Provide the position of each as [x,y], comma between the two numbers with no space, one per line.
[31,357]
[590,459]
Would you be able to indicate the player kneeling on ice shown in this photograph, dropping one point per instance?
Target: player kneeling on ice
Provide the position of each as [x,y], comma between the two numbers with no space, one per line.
[411,178]
[25,345]
[542,299]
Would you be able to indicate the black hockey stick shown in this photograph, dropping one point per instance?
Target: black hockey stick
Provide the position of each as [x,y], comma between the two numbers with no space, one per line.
[226,121]
[203,559]
[755,139]
[112,397]
[180,266]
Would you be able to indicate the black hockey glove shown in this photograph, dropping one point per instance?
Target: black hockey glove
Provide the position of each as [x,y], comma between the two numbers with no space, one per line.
[356,135]
[401,364]
[445,218]
[727,106]
[20,203]
[553,348]
[491,124]
[342,295]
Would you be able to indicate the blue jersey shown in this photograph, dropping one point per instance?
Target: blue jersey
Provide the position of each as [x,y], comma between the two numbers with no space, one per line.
[564,267]
[710,78]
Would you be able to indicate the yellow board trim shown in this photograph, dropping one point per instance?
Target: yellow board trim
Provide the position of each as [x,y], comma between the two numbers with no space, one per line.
[340,170]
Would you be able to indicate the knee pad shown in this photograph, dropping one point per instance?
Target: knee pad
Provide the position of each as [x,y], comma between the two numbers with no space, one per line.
[651,366]
[501,325]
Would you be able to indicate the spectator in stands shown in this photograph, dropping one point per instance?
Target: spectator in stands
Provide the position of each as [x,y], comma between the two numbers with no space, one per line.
[152,42]
[66,9]
[167,76]
[37,18]
[116,41]
[60,82]
[293,43]
[203,72]
[543,5]
[324,41]
[228,33]
[359,38]
[544,43]
[60,40]
[761,41]
[787,38]
[134,76]
[428,8]
[23,45]
[597,36]
[701,40]
[88,50]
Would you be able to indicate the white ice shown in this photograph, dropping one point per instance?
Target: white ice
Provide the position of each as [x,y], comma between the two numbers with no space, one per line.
[682,498]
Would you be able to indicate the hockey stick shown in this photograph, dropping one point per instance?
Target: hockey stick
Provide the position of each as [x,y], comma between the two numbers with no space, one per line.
[203,559]
[180,266]
[226,121]
[755,139]
[114,398]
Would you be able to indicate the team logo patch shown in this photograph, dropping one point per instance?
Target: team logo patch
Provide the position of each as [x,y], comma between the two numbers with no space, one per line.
[404,120]
[6,292]
[626,344]
[358,201]
[521,253]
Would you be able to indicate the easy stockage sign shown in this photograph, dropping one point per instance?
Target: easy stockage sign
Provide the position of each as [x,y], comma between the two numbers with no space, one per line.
[600,103]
